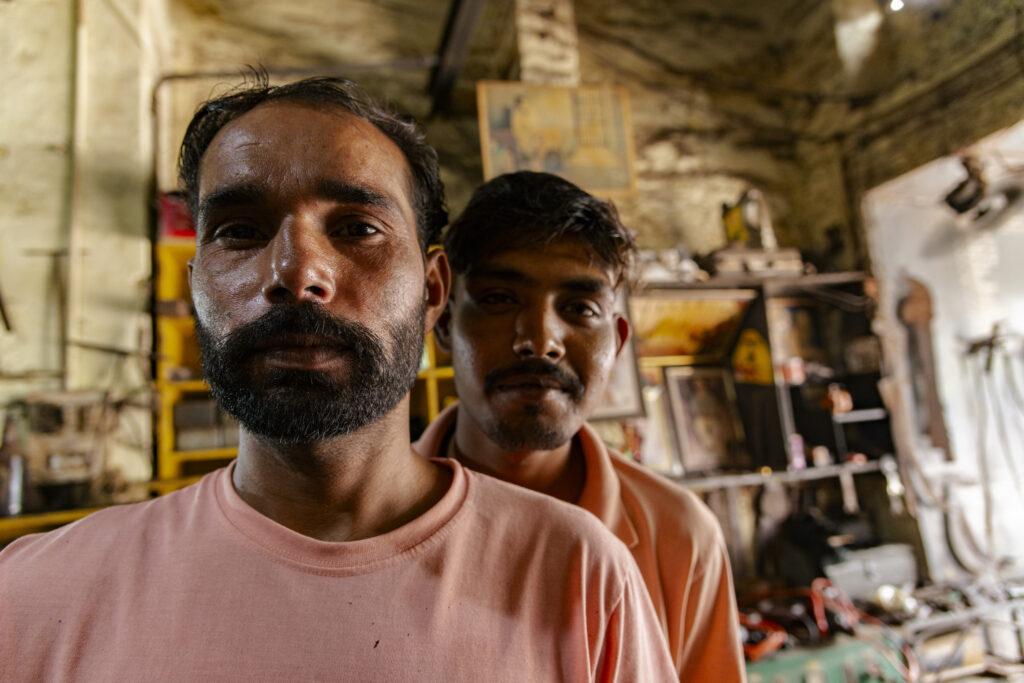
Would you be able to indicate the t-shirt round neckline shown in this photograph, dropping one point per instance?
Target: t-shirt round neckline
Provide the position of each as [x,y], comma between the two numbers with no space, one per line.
[348,557]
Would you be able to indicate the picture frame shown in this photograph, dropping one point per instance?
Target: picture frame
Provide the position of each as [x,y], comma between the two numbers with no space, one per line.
[657,449]
[688,326]
[794,329]
[708,432]
[622,396]
[583,134]
[647,440]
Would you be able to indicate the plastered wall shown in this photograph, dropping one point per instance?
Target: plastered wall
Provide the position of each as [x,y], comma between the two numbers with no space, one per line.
[99,92]
[36,54]
[76,156]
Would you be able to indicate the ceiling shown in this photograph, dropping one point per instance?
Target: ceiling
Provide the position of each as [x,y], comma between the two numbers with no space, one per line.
[784,53]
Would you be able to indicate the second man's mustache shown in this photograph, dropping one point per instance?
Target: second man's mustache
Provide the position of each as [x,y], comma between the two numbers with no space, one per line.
[571,384]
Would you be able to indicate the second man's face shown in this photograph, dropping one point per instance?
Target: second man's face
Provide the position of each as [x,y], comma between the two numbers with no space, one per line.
[534,336]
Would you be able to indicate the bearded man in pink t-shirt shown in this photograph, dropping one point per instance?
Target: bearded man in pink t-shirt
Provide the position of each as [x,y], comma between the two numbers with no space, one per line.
[328,550]
[533,331]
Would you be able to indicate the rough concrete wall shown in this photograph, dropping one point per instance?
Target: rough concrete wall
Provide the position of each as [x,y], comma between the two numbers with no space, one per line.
[110,221]
[76,160]
[547,40]
[699,142]
[745,94]
[35,138]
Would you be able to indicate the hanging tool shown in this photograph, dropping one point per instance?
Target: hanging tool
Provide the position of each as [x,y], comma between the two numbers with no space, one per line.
[3,314]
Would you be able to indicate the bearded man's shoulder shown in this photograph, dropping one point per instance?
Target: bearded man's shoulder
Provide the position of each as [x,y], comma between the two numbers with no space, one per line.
[117,534]
[519,515]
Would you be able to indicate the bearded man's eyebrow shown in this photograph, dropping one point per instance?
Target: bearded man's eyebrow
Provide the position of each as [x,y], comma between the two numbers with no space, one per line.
[244,194]
[588,285]
[351,193]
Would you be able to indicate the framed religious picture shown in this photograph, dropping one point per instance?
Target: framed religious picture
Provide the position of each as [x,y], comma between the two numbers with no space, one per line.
[707,428]
[794,330]
[647,439]
[656,449]
[688,326]
[583,134]
[621,396]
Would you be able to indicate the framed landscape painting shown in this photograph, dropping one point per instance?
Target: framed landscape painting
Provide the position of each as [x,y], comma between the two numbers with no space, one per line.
[583,134]
[688,326]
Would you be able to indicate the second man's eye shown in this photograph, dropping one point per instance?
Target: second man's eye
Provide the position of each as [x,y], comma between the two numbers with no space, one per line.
[495,299]
[355,229]
[582,309]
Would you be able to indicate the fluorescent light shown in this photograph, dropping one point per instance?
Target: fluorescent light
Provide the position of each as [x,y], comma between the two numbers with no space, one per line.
[896,5]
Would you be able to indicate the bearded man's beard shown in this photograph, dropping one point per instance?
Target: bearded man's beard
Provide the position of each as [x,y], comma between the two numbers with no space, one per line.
[306,406]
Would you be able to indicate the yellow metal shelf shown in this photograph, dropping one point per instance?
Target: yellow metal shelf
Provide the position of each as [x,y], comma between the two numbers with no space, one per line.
[183,385]
[204,454]
[437,373]
[13,527]
[665,361]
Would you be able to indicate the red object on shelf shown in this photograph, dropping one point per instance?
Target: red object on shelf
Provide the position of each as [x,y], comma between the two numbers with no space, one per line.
[773,636]
[175,220]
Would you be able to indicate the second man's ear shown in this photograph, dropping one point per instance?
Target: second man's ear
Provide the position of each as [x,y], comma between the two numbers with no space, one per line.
[443,329]
[622,332]
[438,287]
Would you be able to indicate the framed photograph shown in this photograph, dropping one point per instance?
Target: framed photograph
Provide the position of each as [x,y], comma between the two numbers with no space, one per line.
[688,326]
[794,330]
[656,448]
[583,134]
[648,440]
[707,427]
[622,397]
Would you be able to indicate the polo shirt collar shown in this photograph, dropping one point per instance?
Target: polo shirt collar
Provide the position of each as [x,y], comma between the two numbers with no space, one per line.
[602,491]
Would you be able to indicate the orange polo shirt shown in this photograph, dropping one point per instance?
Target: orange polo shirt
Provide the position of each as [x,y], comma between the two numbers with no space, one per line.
[675,540]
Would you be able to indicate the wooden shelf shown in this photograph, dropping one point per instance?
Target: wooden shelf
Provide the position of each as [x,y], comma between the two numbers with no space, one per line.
[740,281]
[862,415]
[204,454]
[725,481]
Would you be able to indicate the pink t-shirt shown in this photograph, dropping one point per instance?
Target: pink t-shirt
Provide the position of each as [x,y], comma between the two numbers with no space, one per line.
[494,583]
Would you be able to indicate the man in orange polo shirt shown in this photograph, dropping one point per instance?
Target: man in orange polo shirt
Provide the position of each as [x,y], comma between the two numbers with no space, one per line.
[533,332]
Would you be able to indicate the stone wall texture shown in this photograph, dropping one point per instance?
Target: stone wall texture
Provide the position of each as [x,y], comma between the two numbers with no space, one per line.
[813,102]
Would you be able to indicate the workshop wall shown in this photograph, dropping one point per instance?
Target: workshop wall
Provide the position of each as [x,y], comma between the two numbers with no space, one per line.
[36,53]
[76,162]
[812,102]
[725,95]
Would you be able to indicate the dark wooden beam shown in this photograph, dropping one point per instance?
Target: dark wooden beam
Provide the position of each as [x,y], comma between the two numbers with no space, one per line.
[458,31]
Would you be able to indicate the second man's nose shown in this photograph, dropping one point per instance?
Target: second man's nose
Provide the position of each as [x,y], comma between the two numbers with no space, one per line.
[538,334]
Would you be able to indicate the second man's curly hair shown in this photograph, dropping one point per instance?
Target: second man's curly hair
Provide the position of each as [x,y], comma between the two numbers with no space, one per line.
[528,209]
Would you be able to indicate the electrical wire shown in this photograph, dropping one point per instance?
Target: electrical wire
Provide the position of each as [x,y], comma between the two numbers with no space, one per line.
[983,466]
[1004,434]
